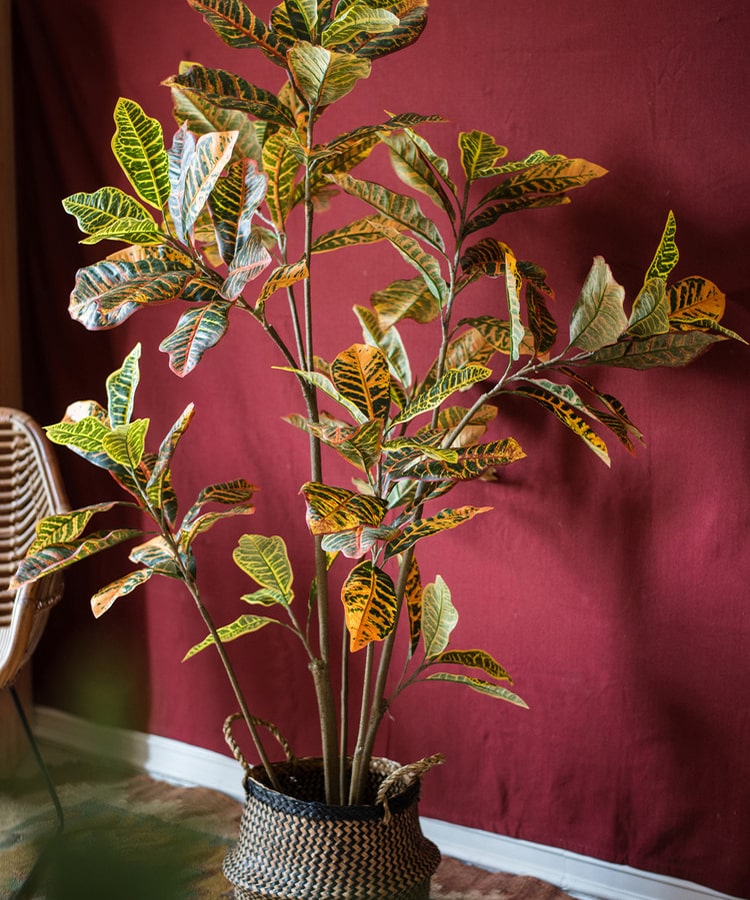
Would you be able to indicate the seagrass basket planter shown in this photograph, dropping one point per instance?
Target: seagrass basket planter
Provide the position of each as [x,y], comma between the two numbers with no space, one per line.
[294,846]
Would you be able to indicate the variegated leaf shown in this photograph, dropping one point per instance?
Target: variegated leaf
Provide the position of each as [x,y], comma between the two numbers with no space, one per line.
[238,27]
[266,561]
[104,209]
[331,509]
[412,16]
[370,606]
[207,521]
[104,598]
[425,264]
[238,492]
[138,145]
[358,19]
[108,292]
[64,528]
[355,543]
[244,625]
[358,444]
[264,597]
[677,348]
[87,434]
[479,153]
[121,387]
[198,329]
[410,299]
[569,417]
[472,429]
[442,521]
[324,384]
[281,277]
[202,170]
[488,215]
[360,374]
[475,659]
[400,208]
[281,167]
[695,298]
[250,259]
[667,254]
[55,557]
[598,317]
[542,324]
[452,381]
[517,330]
[324,76]
[388,342]
[650,313]
[233,203]
[125,444]
[413,603]
[363,231]
[471,462]
[159,486]
[439,617]
[483,687]
[415,170]
[301,16]
[553,175]
[158,556]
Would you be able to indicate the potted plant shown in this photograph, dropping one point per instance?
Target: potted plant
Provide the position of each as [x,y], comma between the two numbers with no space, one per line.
[228,218]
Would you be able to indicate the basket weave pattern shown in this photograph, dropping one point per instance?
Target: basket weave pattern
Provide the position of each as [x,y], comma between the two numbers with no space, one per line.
[292,846]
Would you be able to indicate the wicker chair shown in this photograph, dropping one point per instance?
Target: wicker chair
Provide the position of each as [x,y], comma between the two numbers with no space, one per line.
[30,488]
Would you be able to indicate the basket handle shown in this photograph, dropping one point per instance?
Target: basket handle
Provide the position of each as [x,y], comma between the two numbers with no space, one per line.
[407,774]
[234,746]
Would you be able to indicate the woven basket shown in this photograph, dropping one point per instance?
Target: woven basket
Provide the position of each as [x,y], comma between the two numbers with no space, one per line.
[293,846]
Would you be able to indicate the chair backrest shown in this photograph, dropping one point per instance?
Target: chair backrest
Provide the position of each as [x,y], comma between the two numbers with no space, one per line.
[30,488]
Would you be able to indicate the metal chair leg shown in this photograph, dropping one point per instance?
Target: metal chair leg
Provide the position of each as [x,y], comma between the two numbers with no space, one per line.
[29,883]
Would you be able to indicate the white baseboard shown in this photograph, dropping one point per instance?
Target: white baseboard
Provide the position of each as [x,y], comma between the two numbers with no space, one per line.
[180,763]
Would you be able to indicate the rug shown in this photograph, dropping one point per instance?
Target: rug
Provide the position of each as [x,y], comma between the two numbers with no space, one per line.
[129,837]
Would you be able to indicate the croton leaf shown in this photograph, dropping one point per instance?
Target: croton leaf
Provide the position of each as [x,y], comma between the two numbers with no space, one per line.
[138,145]
[517,331]
[86,434]
[677,348]
[125,444]
[479,153]
[324,384]
[650,313]
[542,324]
[233,202]
[158,556]
[281,277]
[400,208]
[54,557]
[266,561]
[228,493]
[548,175]
[363,231]
[238,27]
[201,171]
[695,298]
[410,299]
[227,90]
[331,509]
[324,76]
[246,624]
[472,429]
[416,170]
[412,18]
[470,463]
[413,601]
[121,388]
[475,659]
[388,342]
[355,543]
[104,598]
[361,375]
[159,485]
[281,167]
[358,444]
[250,259]
[667,254]
[104,209]
[358,20]
[207,521]
[370,605]
[426,265]
[129,231]
[483,687]
[439,617]
[442,521]
[198,329]
[106,293]
[63,528]
[453,380]
[301,16]
[568,416]
[598,317]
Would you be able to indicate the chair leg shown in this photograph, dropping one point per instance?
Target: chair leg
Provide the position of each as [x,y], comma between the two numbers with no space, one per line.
[30,883]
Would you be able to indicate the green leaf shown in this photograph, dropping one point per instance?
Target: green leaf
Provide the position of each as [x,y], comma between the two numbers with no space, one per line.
[87,434]
[439,617]
[333,509]
[479,153]
[129,231]
[281,167]
[361,375]
[238,27]
[138,145]
[244,625]
[667,254]
[650,313]
[370,605]
[121,387]
[482,687]
[125,444]
[55,557]
[302,17]
[442,521]
[266,561]
[598,317]
[398,207]
[324,76]
[105,209]
[198,329]
[104,598]
[358,19]
[229,91]
[453,380]
[474,659]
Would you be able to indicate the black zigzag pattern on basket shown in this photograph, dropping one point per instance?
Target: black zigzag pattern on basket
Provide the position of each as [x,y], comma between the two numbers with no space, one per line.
[294,847]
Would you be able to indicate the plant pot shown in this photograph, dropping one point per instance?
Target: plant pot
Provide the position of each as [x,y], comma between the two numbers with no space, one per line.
[294,846]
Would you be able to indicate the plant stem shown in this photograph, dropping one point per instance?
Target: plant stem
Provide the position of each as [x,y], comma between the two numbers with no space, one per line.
[361,761]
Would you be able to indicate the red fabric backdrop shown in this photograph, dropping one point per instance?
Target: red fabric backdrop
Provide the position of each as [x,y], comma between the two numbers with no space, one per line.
[618,599]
